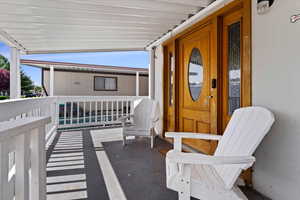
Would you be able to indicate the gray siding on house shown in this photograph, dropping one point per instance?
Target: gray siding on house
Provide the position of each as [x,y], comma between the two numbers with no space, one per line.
[67,83]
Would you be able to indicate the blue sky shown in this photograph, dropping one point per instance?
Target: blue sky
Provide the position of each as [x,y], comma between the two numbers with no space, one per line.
[128,59]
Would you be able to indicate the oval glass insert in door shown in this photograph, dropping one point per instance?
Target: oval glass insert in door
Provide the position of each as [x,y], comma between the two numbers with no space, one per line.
[195,75]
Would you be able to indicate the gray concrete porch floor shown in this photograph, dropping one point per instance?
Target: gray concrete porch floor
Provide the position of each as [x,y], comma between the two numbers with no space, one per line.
[93,164]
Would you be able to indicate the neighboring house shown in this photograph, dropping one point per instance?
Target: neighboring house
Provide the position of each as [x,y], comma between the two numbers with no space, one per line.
[72,79]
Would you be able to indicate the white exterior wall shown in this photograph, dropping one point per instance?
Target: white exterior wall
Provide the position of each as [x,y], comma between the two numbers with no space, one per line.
[275,70]
[82,84]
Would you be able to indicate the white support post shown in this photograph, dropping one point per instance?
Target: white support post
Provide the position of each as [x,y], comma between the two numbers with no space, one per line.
[51,81]
[15,77]
[151,75]
[137,84]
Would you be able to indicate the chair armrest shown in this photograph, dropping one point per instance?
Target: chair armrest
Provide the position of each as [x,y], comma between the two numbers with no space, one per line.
[203,136]
[200,159]
[179,135]
[154,120]
[124,118]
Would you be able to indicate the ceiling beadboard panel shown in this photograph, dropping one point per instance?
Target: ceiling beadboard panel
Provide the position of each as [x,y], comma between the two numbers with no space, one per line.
[91,25]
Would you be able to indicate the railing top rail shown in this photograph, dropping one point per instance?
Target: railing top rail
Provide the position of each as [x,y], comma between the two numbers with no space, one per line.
[13,128]
[14,107]
[25,100]
[87,98]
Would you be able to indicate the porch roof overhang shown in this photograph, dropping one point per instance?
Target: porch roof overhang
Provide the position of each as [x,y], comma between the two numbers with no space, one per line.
[56,26]
[65,66]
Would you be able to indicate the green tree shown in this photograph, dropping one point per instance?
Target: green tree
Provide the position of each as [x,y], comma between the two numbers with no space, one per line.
[4,63]
[26,82]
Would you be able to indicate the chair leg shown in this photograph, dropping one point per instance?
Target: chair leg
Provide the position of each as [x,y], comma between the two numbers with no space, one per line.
[183,196]
[123,134]
[185,180]
[124,140]
[152,136]
[152,141]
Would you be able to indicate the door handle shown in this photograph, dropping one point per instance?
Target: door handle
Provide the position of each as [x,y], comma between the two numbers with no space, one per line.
[210,97]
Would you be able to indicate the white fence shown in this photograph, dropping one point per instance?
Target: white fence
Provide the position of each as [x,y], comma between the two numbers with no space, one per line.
[22,159]
[90,111]
[70,111]
[30,107]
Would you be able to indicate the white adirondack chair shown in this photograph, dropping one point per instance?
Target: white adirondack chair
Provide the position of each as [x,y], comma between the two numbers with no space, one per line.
[214,177]
[145,116]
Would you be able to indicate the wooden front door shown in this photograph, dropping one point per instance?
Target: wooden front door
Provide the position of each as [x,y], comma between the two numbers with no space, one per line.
[195,68]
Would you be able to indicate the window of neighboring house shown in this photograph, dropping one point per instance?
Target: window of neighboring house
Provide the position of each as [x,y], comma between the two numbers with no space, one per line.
[102,83]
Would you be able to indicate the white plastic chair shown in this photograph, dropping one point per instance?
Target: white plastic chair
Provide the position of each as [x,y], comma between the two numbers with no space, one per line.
[214,177]
[145,116]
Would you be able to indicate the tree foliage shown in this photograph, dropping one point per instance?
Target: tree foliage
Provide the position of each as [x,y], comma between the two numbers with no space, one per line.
[4,80]
[38,89]
[4,63]
[26,82]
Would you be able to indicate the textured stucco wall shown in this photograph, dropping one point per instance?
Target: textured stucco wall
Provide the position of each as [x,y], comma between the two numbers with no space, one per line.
[275,70]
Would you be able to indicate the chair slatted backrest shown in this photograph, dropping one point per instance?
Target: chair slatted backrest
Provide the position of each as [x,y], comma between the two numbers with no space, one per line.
[245,131]
[144,113]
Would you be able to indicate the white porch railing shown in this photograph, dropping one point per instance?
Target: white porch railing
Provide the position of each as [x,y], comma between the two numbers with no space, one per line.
[23,159]
[30,107]
[70,111]
[93,110]
[26,125]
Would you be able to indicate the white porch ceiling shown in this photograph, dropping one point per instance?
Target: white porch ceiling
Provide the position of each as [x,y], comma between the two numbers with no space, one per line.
[41,26]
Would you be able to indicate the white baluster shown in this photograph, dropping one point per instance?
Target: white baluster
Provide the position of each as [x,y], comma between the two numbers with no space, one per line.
[84,112]
[65,114]
[122,109]
[57,113]
[22,167]
[117,110]
[90,116]
[4,171]
[78,112]
[106,111]
[101,115]
[131,108]
[112,110]
[71,112]
[38,164]
[96,111]
[127,109]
